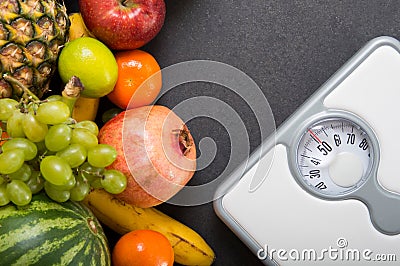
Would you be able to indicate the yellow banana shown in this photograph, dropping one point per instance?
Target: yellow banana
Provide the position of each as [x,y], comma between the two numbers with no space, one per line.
[189,247]
[78,28]
[85,108]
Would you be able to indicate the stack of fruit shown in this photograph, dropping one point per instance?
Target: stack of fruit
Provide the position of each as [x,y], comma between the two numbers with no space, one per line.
[58,172]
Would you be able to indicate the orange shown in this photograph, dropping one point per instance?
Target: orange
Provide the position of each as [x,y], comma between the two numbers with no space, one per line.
[134,68]
[143,247]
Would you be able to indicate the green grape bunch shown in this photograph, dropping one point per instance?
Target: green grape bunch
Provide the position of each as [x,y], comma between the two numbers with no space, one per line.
[45,149]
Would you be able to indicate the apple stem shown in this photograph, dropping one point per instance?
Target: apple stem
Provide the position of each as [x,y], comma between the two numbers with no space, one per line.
[128,3]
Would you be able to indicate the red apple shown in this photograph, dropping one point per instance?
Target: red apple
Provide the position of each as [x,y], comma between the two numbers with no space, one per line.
[156,152]
[123,24]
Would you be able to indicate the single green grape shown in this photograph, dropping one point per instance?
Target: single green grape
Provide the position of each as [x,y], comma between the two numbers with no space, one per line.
[35,182]
[89,125]
[80,190]
[84,137]
[18,192]
[90,172]
[74,154]
[28,147]
[54,98]
[101,155]
[23,173]
[4,200]
[7,107]
[56,194]
[55,170]
[34,130]
[11,161]
[14,125]
[53,112]
[113,181]
[58,137]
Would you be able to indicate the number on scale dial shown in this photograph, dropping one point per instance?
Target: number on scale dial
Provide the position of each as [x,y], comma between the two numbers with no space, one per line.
[334,156]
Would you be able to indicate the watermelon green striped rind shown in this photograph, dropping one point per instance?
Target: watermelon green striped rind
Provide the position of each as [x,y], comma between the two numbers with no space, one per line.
[45,232]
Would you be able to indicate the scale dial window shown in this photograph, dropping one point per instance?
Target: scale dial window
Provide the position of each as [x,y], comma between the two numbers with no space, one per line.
[334,157]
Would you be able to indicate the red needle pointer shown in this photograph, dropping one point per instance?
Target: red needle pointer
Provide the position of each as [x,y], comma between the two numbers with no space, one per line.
[314,136]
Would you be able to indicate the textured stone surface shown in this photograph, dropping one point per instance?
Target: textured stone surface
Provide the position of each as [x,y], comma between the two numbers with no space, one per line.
[289,48]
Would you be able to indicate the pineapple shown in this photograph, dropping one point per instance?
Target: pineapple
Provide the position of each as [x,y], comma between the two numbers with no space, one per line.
[32,33]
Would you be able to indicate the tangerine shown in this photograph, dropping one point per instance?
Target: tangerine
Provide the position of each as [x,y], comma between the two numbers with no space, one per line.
[143,247]
[139,79]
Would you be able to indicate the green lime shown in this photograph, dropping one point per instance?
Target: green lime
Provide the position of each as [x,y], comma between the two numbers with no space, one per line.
[92,62]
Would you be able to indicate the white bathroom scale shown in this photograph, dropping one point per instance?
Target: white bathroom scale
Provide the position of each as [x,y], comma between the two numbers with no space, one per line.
[330,190]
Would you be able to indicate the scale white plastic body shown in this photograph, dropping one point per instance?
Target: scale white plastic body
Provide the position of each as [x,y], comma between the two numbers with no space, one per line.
[291,219]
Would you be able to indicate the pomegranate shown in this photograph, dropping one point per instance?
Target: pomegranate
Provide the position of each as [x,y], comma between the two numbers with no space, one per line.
[156,152]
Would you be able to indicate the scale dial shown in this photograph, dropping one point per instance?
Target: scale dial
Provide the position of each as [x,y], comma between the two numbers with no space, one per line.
[334,157]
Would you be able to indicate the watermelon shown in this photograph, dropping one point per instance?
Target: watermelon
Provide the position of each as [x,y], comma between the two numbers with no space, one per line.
[45,232]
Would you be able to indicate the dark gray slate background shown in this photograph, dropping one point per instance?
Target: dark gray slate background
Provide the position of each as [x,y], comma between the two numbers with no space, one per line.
[289,48]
